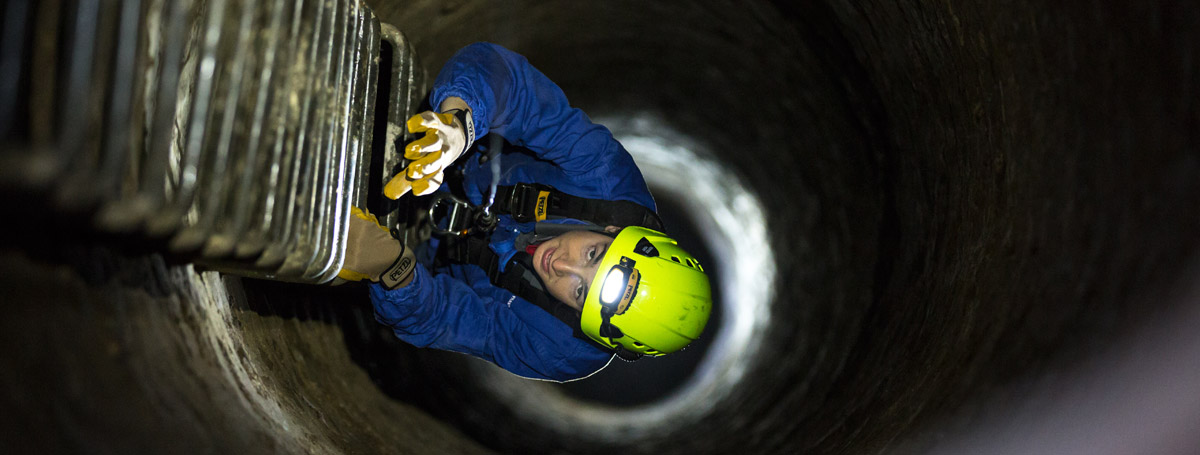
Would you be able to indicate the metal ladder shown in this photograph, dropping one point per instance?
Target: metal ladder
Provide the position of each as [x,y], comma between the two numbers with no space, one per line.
[233,133]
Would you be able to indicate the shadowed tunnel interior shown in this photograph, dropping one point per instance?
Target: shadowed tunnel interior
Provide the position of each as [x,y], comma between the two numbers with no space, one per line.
[968,212]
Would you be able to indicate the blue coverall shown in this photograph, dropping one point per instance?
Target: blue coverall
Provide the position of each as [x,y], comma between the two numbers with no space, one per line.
[456,307]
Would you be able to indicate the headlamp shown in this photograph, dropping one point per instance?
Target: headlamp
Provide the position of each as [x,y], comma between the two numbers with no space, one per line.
[614,286]
[619,287]
[616,293]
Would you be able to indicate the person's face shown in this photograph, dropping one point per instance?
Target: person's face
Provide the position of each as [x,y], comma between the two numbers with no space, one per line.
[568,263]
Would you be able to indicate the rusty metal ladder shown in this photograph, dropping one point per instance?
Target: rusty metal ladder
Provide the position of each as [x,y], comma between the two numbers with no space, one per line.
[234,133]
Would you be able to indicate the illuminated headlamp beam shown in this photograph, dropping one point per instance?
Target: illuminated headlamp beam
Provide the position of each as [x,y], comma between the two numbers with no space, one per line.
[614,287]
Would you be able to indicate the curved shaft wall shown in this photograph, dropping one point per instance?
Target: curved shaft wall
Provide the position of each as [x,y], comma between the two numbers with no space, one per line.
[965,202]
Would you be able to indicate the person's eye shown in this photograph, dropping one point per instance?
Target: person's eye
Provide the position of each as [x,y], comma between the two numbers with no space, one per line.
[596,254]
[579,292]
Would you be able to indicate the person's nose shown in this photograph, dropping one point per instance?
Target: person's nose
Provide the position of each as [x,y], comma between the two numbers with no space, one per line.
[569,265]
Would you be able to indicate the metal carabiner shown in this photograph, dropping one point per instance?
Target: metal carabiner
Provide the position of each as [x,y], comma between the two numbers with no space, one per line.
[459,219]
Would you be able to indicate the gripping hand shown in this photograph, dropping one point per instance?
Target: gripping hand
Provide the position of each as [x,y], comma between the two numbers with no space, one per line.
[446,138]
[373,254]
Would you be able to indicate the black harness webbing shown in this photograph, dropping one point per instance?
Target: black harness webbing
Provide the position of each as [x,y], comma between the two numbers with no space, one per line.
[518,277]
[535,202]
[527,202]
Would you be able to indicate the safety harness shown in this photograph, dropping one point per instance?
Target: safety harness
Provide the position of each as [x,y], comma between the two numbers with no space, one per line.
[527,202]
[466,239]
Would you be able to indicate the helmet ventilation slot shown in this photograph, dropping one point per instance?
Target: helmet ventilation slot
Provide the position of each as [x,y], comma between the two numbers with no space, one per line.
[688,262]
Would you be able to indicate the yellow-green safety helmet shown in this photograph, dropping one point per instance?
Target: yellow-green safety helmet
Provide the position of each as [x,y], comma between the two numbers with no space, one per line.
[649,296]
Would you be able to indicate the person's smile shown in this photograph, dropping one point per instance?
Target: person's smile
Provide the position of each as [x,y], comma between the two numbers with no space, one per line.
[547,258]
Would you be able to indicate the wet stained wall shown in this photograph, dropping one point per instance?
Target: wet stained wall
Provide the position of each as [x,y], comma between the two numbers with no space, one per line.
[969,204]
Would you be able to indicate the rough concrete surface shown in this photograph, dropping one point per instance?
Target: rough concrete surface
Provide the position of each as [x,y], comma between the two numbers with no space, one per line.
[115,354]
[977,206]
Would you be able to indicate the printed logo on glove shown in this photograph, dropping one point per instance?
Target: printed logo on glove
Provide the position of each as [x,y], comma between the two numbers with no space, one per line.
[446,138]
[373,254]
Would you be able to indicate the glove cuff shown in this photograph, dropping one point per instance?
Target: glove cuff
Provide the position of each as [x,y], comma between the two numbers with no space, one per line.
[401,271]
[468,122]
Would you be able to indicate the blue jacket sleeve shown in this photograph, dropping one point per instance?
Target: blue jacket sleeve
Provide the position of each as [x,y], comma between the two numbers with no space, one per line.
[443,312]
[510,97]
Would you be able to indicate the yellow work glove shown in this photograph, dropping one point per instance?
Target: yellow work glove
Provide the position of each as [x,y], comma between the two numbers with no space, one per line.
[446,138]
[373,254]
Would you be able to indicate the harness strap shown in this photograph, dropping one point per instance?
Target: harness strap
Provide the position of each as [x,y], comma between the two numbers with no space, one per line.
[527,202]
[530,202]
[518,278]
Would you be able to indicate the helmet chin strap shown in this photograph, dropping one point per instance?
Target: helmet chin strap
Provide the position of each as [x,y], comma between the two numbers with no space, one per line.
[522,281]
[543,231]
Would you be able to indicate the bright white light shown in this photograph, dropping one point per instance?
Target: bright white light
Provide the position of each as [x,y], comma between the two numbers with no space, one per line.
[729,215]
[614,286]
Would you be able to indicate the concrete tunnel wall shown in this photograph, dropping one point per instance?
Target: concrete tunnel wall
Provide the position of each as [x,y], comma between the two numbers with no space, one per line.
[968,204]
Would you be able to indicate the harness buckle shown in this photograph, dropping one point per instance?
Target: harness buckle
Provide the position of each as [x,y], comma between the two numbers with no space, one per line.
[459,218]
[517,200]
[485,221]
